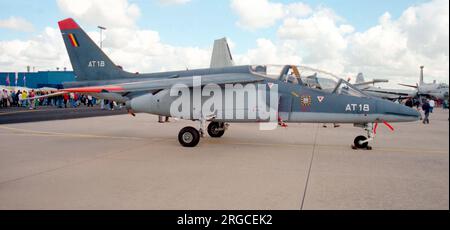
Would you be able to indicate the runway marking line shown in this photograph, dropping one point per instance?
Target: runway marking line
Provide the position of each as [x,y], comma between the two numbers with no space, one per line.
[26,131]
[309,168]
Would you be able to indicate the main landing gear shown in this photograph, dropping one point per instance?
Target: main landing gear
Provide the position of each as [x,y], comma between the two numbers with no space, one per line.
[216,129]
[190,136]
[362,142]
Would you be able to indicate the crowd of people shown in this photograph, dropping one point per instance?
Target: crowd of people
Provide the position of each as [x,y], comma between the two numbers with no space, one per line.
[22,98]
[426,106]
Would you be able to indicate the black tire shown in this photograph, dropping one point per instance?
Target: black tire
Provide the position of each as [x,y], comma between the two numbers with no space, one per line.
[358,144]
[189,137]
[213,130]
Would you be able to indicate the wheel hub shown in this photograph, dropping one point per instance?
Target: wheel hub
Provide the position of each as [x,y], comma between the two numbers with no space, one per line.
[215,130]
[188,137]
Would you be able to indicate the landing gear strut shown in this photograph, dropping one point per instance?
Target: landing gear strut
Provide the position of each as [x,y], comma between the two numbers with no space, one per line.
[190,136]
[362,142]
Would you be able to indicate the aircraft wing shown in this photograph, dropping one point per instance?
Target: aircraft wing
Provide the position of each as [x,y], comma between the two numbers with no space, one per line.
[388,93]
[159,84]
[371,82]
[412,86]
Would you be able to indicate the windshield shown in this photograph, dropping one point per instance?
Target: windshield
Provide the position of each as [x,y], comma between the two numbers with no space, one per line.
[346,88]
[310,77]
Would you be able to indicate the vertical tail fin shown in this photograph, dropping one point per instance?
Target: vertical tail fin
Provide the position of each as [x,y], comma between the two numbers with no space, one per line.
[89,62]
[421,75]
[221,55]
[360,78]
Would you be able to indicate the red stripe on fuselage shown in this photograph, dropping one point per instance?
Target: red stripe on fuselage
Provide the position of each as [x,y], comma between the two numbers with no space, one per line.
[95,89]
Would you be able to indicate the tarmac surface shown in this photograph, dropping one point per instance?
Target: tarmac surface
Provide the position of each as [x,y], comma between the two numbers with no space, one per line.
[125,162]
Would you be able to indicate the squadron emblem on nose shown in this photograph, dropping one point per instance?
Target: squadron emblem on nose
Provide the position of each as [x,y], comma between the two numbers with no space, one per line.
[305,100]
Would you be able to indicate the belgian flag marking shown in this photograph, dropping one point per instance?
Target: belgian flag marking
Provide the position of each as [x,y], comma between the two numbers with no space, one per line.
[73,40]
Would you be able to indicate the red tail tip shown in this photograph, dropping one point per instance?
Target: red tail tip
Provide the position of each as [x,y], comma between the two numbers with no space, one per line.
[68,24]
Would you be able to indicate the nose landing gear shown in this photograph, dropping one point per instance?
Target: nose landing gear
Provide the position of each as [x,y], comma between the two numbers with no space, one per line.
[361,142]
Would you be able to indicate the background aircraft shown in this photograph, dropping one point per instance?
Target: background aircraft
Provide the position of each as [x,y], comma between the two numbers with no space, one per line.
[434,90]
[334,101]
[390,94]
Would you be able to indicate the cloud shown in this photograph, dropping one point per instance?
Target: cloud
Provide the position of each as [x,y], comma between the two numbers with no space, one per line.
[392,49]
[254,14]
[143,51]
[297,9]
[15,23]
[396,48]
[45,52]
[173,2]
[267,52]
[136,49]
[109,13]
[257,14]
[319,34]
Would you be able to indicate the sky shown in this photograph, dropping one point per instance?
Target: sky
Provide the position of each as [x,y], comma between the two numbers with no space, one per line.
[381,38]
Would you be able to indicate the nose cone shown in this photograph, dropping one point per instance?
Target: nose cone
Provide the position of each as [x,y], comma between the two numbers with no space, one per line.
[413,114]
[394,112]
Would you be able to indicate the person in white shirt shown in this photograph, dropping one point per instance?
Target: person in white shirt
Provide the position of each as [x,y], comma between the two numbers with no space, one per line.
[4,98]
[432,104]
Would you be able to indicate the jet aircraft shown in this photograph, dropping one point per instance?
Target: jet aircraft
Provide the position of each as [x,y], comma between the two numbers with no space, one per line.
[390,94]
[332,100]
[434,90]
[430,90]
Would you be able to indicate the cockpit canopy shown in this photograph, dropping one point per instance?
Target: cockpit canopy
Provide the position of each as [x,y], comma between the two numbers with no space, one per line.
[310,77]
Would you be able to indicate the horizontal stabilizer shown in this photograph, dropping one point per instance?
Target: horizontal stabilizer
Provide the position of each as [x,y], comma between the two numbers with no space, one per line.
[412,86]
